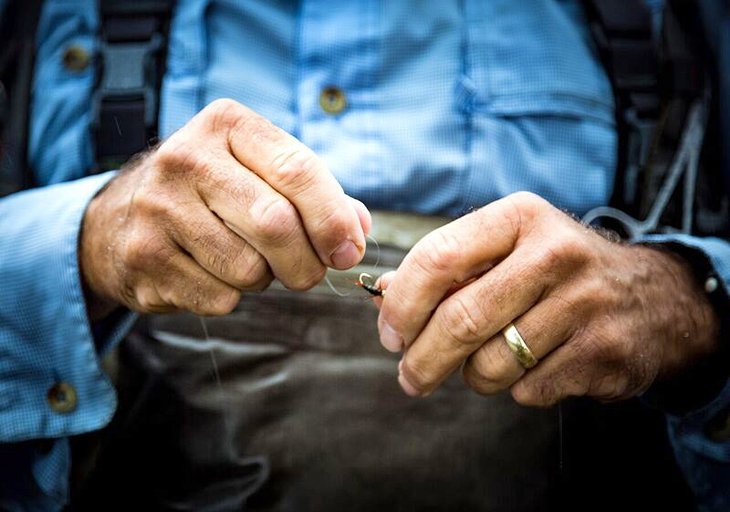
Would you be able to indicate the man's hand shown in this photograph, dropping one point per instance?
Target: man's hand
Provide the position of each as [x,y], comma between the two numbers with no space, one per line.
[226,204]
[604,319]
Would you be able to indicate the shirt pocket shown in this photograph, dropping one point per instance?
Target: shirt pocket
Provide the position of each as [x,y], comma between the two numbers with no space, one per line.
[539,102]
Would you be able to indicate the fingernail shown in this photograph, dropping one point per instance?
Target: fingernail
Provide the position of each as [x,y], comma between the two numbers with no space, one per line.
[400,366]
[390,339]
[345,256]
[407,386]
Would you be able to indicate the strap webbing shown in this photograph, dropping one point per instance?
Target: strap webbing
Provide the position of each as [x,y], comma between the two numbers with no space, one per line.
[132,52]
[623,32]
[17,58]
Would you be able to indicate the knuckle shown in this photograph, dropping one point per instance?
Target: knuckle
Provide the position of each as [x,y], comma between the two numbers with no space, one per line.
[583,351]
[277,222]
[460,320]
[496,364]
[549,259]
[530,395]
[224,303]
[240,191]
[147,299]
[565,251]
[127,290]
[527,211]
[599,348]
[574,244]
[609,387]
[477,380]
[222,114]
[224,259]
[574,247]
[219,304]
[438,252]
[616,351]
[184,162]
[167,156]
[529,203]
[142,253]
[245,124]
[261,284]
[219,262]
[593,296]
[248,268]
[176,155]
[526,207]
[295,167]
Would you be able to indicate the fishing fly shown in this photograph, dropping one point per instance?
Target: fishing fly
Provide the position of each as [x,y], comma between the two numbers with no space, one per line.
[367,283]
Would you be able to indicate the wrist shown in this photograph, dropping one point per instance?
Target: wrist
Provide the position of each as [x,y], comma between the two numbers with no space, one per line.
[696,324]
[94,259]
[698,367]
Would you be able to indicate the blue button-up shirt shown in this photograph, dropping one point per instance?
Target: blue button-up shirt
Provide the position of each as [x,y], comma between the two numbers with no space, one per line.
[449,105]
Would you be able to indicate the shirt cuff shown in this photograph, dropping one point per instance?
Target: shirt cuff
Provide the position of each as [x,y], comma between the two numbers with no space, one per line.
[701,442]
[51,383]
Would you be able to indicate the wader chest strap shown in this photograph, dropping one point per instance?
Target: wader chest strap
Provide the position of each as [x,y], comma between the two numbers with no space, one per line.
[18,22]
[623,33]
[131,62]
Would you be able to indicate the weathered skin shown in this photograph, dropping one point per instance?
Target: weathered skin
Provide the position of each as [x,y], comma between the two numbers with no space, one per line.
[604,319]
[225,205]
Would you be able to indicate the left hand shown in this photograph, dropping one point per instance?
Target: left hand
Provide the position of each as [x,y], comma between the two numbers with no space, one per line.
[603,318]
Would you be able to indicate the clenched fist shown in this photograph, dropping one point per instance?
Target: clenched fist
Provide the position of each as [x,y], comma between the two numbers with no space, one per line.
[226,204]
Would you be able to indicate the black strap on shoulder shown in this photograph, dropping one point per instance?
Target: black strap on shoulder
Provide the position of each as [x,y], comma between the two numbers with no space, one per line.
[623,32]
[17,56]
[131,61]
[659,77]
[690,67]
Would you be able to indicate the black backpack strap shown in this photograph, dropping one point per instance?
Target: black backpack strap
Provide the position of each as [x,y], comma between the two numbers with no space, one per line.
[131,62]
[663,98]
[623,33]
[17,57]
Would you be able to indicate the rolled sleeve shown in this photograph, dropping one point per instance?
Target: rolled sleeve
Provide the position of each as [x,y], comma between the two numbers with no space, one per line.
[45,335]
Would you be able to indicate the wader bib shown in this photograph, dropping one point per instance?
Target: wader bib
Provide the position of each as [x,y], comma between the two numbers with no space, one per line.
[308,416]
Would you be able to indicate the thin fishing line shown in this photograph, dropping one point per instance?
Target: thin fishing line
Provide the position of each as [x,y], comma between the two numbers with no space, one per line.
[335,290]
[211,352]
[560,438]
[223,402]
[375,266]
[377,248]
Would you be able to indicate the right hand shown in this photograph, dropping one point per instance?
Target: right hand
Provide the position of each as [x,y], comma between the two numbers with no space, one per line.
[225,205]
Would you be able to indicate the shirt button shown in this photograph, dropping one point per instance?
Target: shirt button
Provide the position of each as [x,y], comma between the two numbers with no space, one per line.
[332,100]
[62,397]
[76,58]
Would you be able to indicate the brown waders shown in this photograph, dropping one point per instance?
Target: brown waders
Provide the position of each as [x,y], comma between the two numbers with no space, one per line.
[308,416]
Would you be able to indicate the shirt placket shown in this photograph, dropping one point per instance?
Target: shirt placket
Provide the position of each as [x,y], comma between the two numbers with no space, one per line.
[338,61]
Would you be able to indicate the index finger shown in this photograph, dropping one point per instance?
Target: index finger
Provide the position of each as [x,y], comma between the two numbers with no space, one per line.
[293,170]
[448,256]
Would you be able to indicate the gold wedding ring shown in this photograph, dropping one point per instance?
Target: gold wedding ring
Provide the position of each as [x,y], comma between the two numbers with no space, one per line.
[518,346]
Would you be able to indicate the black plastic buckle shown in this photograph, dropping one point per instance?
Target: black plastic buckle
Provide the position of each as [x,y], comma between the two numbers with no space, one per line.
[124,110]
